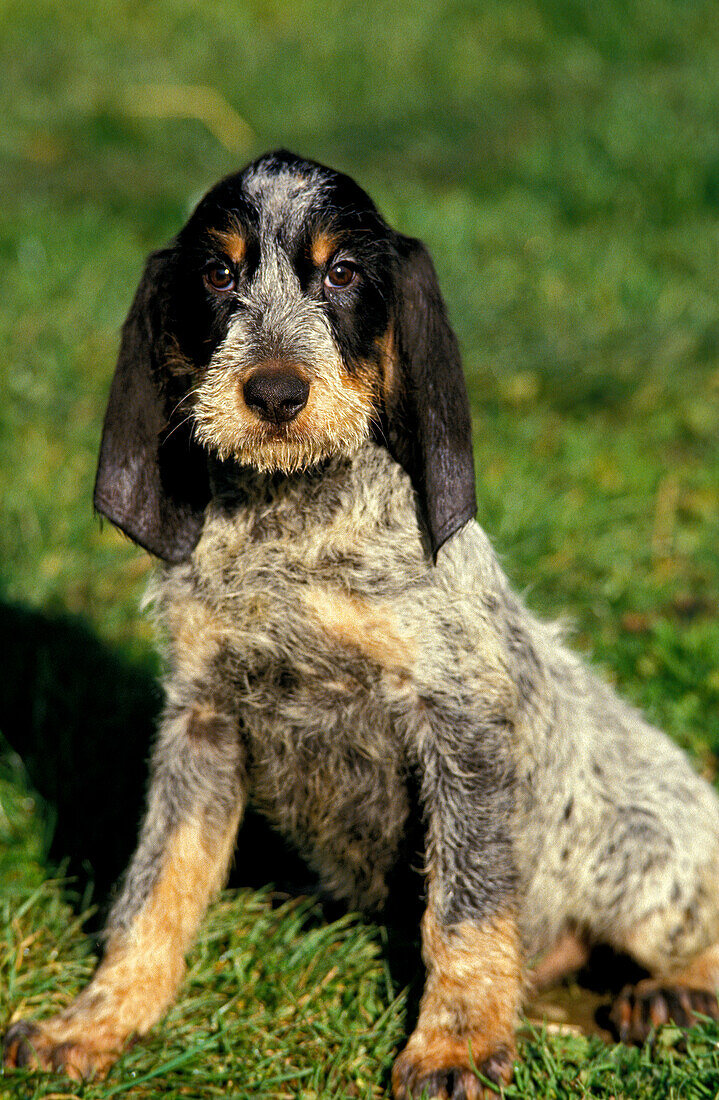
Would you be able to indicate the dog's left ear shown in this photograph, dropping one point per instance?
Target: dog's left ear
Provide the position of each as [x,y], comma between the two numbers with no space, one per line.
[152,479]
[428,426]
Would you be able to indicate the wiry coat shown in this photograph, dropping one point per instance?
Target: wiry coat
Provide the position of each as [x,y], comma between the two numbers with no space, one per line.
[339,635]
[333,643]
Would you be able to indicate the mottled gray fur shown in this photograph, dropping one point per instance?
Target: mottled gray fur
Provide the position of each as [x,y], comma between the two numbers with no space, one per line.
[536,778]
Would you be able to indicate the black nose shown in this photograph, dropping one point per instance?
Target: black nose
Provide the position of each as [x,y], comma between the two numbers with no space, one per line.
[277,395]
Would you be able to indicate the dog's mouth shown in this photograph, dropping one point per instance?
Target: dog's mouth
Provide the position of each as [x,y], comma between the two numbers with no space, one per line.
[267,433]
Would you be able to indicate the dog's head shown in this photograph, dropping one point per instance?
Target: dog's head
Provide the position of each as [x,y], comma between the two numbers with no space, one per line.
[286,323]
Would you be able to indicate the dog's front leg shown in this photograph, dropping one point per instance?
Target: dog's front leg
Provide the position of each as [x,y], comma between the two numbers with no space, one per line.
[195,803]
[470,941]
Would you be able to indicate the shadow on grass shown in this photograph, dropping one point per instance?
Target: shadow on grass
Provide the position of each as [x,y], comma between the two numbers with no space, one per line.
[82,718]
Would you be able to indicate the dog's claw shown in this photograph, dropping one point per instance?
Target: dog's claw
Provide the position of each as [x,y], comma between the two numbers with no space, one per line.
[18,1046]
[640,1009]
[411,1081]
[29,1046]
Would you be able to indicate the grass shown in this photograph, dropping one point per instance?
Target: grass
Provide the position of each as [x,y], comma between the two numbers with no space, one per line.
[560,159]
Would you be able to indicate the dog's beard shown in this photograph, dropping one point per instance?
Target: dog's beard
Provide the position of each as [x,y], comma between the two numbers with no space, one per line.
[281,451]
[336,421]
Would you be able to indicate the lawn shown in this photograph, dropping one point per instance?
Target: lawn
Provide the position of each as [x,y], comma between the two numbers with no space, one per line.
[561,160]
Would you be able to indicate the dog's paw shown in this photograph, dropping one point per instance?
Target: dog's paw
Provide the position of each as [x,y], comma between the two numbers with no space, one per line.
[444,1066]
[640,1008]
[45,1047]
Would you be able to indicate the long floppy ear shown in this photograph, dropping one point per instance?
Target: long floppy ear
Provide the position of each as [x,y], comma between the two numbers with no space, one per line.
[428,420]
[152,478]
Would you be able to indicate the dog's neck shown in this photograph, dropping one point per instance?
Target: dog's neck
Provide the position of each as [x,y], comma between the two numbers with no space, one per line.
[348,500]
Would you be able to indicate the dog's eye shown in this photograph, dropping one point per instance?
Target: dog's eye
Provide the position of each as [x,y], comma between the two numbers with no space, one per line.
[219,277]
[340,276]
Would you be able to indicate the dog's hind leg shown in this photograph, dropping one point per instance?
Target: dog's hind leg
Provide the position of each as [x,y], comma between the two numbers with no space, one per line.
[620,840]
[658,872]
[661,889]
[195,804]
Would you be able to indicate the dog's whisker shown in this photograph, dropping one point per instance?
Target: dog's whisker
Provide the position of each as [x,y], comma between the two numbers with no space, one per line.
[180,424]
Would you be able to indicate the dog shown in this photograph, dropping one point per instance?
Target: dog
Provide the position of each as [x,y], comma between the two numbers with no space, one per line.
[288,430]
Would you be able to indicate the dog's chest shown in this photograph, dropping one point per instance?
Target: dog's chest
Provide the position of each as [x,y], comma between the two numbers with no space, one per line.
[306,634]
[326,764]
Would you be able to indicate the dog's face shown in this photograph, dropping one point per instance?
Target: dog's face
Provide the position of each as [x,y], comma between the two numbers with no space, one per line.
[285,324]
[291,269]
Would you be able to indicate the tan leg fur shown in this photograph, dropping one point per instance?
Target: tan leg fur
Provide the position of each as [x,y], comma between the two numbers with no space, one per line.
[468,1011]
[142,968]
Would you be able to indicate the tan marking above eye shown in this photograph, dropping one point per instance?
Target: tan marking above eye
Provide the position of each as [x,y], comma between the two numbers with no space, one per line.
[232,243]
[323,247]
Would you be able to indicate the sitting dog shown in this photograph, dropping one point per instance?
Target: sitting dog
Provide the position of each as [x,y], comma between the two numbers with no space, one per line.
[288,429]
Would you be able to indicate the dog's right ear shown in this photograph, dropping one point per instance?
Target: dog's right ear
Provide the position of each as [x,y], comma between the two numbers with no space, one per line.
[152,479]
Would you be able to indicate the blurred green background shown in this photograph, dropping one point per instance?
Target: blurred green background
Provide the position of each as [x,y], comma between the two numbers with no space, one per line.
[561,160]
